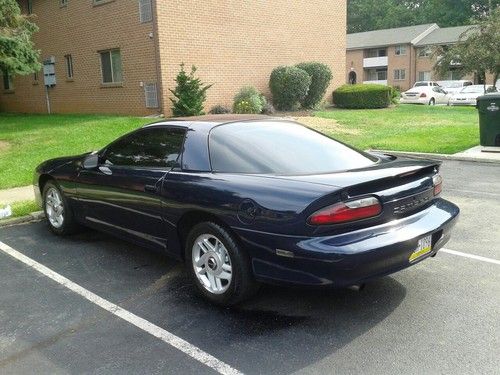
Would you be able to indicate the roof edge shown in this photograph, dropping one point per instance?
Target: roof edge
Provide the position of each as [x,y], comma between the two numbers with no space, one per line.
[418,38]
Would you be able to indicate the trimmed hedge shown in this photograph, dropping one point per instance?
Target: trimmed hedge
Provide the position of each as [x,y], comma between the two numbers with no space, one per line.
[249,100]
[289,86]
[363,96]
[321,75]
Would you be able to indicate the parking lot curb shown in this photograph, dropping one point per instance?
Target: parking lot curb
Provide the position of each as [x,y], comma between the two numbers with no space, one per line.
[424,155]
[32,217]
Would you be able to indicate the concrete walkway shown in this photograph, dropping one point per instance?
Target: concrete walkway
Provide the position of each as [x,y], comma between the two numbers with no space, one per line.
[9,196]
[480,152]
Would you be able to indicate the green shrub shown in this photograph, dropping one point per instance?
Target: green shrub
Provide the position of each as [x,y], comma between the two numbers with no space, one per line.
[395,94]
[190,93]
[249,100]
[268,109]
[289,86]
[321,75]
[362,96]
[219,110]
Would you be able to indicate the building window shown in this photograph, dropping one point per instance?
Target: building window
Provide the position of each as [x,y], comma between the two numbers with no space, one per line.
[399,74]
[63,3]
[424,76]
[376,74]
[35,77]
[111,66]
[424,52]
[151,94]
[453,75]
[30,6]
[69,66]
[8,85]
[400,50]
[145,11]
[376,52]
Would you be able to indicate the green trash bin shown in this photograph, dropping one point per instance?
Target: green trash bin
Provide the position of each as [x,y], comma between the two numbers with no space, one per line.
[489,119]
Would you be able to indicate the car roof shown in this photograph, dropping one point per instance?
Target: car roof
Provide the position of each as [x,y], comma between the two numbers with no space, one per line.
[207,122]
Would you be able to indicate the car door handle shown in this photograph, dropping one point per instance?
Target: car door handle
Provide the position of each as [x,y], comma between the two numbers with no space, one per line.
[150,188]
[105,170]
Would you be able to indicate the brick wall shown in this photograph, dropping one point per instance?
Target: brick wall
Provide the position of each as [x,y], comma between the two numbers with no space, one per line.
[236,43]
[82,29]
[355,64]
[233,43]
[400,62]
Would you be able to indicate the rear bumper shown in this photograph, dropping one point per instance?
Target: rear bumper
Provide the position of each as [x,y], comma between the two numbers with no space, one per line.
[463,102]
[349,258]
[414,100]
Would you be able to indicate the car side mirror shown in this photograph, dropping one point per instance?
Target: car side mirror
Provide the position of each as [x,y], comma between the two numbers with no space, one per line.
[91,161]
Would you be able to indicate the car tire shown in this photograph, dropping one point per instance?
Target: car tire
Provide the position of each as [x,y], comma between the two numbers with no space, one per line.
[432,101]
[57,210]
[220,267]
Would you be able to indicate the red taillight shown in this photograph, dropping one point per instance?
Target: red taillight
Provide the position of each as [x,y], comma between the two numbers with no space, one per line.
[423,95]
[343,212]
[437,181]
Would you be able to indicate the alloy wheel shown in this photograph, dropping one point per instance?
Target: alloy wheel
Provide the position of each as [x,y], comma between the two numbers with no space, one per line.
[54,207]
[212,263]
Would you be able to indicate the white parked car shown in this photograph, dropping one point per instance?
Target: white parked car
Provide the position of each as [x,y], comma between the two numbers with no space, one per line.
[452,87]
[468,95]
[425,83]
[430,95]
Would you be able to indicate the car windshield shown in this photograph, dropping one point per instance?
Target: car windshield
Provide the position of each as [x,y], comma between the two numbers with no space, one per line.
[476,89]
[284,148]
[419,84]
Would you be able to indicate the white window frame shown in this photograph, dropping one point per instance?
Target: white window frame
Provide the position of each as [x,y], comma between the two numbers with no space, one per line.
[145,11]
[400,50]
[399,74]
[69,66]
[113,81]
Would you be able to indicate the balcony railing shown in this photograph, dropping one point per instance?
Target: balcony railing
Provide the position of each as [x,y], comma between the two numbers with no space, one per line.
[380,82]
[375,62]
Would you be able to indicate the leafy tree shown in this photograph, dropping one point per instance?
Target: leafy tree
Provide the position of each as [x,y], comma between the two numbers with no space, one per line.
[364,15]
[478,50]
[189,94]
[17,52]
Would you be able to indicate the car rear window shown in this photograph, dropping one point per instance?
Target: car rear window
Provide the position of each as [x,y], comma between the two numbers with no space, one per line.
[284,148]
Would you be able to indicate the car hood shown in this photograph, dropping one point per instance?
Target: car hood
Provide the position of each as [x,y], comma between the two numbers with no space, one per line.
[52,164]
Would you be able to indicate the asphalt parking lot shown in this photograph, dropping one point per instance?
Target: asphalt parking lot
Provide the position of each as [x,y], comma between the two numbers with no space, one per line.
[439,317]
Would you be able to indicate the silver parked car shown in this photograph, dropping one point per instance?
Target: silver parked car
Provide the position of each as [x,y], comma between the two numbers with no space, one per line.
[454,86]
[468,95]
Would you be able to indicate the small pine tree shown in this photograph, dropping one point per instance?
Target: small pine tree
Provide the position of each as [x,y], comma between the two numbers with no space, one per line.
[189,94]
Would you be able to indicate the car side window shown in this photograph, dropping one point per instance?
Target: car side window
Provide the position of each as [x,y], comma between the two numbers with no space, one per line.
[151,147]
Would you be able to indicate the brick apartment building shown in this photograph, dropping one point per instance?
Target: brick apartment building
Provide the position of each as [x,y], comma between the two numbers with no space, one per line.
[401,56]
[121,56]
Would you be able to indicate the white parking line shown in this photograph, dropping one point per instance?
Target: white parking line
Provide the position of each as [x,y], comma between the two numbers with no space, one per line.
[171,339]
[471,256]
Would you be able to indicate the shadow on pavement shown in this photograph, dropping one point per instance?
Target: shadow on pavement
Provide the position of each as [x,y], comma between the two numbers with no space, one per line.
[280,330]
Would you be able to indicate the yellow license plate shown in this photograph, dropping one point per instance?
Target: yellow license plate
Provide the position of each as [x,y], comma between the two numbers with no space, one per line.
[424,246]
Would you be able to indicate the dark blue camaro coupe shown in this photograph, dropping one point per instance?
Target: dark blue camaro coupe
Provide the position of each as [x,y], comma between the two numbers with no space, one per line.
[245,200]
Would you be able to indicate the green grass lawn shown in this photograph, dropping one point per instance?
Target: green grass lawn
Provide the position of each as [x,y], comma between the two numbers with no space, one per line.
[438,129]
[27,140]
[21,208]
